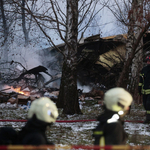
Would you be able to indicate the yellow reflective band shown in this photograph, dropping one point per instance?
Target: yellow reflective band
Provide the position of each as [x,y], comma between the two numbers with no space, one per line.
[102,142]
[148,111]
[143,91]
[141,74]
[146,91]
[98,132]
[140,84]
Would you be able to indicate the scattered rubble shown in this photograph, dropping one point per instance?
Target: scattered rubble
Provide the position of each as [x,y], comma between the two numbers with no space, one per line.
[91,95]
[20,98]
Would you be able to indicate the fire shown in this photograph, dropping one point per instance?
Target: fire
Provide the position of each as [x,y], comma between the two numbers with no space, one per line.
[18,90]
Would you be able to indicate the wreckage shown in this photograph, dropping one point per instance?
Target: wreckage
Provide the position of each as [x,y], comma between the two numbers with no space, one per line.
[100,61]
[32,77]
[35,71]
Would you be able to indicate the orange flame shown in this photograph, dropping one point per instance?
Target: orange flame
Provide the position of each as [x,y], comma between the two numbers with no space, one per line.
[18,90]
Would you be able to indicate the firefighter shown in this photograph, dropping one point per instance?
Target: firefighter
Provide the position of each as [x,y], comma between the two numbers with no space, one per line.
[110,130]
[8,136]
[42,113]
[144,88]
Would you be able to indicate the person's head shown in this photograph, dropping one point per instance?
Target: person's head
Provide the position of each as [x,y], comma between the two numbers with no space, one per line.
[44,109]
[117,100]
[148,59]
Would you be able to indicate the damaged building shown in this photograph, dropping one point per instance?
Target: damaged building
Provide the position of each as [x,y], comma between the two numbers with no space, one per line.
[100,59]
[100,63]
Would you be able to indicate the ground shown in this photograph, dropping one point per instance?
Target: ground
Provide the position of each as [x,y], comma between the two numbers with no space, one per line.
[80,133]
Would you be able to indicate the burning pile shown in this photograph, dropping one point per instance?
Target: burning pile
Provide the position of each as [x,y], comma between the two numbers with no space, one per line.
[16,95]
[18,90]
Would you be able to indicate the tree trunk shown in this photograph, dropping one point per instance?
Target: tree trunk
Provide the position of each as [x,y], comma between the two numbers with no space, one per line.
[137,62]
[130,74]
[68,96]
[5,31]
[24,23]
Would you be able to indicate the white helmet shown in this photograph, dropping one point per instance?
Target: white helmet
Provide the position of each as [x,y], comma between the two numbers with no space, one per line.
[117,99]
[44,109]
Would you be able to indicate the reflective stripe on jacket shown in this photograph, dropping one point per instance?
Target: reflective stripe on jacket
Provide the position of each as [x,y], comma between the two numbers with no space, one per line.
[110,130]
[101,138]
[144,82]
[98,134]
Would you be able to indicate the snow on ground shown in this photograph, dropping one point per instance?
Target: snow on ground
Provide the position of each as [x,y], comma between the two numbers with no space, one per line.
[78,133]
[139,128]
[79,126]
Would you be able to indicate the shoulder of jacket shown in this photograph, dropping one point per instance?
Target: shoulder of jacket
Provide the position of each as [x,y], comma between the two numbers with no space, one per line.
[145,68]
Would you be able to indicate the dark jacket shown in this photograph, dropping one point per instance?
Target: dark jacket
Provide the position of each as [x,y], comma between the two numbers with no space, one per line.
[8,136]
[144,83]
[33,133]
[109,133]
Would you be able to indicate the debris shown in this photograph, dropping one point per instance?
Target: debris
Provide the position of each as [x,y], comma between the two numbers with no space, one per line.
[12,100]
[19,67]
[93,94]
[22,99]
[53,95]
[100,102]
[5,89]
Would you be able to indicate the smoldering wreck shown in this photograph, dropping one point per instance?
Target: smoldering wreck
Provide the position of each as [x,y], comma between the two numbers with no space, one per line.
[101,61]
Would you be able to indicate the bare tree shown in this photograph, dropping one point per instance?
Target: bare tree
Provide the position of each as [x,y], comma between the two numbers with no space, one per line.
[24,23]
[134,14]
[137,28]
[27,17]
[67,19]
[68,94]
[133,33]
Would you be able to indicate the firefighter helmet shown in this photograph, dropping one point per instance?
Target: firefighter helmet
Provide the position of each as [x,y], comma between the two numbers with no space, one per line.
[44,109]
[117,99]
[148,58]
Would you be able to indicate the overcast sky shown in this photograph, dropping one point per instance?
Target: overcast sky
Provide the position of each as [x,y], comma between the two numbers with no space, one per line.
[106,25]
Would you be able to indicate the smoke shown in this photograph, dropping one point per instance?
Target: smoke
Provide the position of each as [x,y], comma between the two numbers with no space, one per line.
[27,56]
[31,57]
[85,88]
